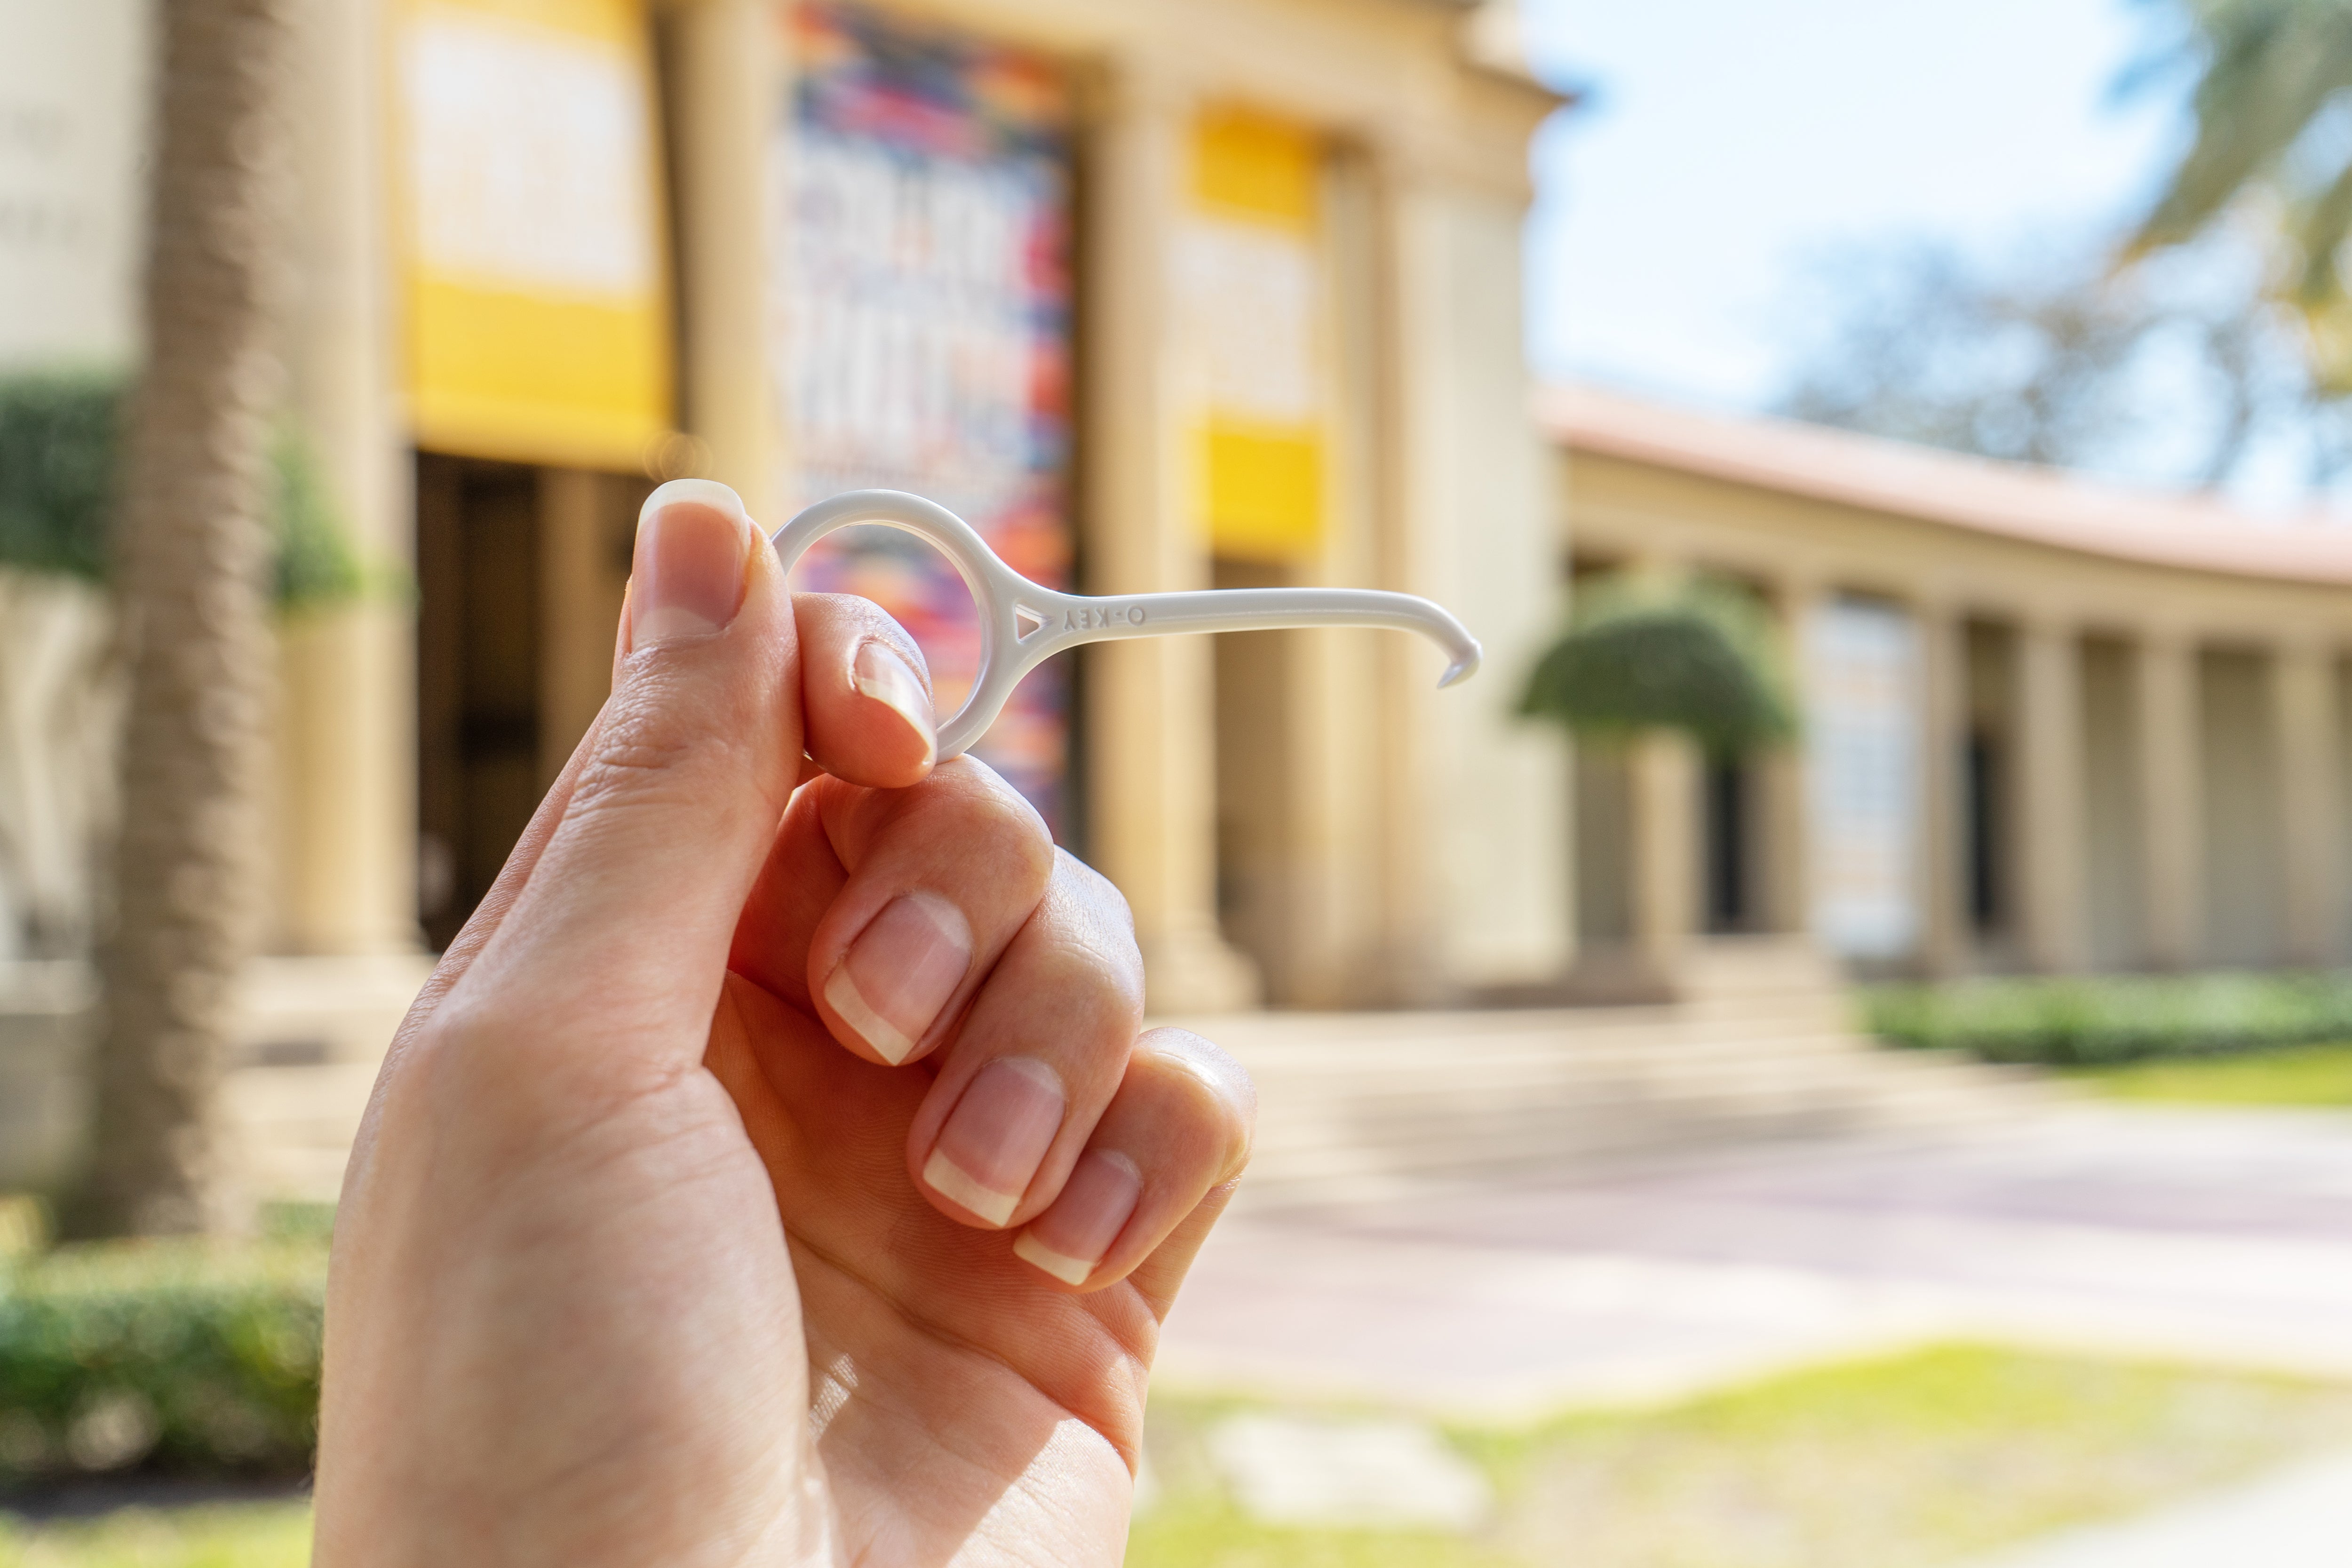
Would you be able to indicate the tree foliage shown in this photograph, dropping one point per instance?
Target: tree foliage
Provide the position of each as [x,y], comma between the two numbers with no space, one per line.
[2273,111]
[2177,371]
[2271,137]
[1696,658]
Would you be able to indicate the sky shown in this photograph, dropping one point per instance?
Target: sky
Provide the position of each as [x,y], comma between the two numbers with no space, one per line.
[1724,143]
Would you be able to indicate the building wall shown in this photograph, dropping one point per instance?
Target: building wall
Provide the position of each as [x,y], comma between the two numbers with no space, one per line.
[1399,846]
[2157,753]
[73,83]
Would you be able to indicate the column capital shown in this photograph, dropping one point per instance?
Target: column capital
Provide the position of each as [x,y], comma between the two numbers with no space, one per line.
[1136,84]
[1936,607]
[2038,621]
[1407,152]
[1796,589]
[2304,645]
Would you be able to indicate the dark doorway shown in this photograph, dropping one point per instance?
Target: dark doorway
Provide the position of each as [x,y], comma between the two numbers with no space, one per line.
[477,639]
[1983,778]
[519,573]
[1729,894]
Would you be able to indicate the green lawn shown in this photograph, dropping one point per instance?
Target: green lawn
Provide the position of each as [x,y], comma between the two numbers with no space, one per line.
[2310,1075]
[1917,1459]
[217,1535]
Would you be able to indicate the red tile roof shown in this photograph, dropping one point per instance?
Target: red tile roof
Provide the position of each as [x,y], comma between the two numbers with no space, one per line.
[2015,501]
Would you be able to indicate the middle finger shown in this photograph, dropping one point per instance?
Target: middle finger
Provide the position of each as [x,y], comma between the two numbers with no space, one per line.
[1036,1060]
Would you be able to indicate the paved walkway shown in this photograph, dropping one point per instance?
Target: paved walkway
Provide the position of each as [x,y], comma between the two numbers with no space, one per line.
[2218,1237]
[2300,1519]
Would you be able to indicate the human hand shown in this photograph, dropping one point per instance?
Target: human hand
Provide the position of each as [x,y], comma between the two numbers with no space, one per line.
[647,1252]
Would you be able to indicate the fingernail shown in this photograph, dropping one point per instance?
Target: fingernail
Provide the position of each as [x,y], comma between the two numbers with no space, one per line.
[891,983]
[996,1135]
[1070,1238]
[881,674]
[686,579]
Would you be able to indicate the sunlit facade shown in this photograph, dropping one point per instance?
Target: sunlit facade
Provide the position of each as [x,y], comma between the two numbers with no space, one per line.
[1157,296]
[2050,726]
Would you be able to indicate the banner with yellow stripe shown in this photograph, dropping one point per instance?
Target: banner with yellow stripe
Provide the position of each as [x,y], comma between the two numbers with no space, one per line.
[1251,292]
[537,324]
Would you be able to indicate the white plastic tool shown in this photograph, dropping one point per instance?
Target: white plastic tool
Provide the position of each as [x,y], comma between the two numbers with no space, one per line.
[1022,624]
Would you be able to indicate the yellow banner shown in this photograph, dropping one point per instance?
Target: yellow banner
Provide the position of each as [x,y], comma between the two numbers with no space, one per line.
[1253,296]
[536,279]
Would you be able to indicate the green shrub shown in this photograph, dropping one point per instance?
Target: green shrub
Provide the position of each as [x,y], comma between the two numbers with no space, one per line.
[2083,1022]
[60,437]
[57,437]
[1699,659]
[188,1357]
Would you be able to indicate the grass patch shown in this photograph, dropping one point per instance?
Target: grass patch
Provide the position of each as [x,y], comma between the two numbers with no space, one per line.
[2312,1076]
[214,1535]
[1219,1537]
[1916,1460]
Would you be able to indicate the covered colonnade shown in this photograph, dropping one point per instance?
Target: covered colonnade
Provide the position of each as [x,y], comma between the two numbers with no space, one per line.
[2048,725]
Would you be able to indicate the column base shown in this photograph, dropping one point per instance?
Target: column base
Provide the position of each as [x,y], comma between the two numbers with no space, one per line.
[1622,976]
[1197,971]
[1702,968]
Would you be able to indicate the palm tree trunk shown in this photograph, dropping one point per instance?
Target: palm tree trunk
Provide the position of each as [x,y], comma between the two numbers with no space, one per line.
[192,552]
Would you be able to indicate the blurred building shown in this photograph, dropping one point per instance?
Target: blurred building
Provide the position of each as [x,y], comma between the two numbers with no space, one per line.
[1159,296]
[2048,726]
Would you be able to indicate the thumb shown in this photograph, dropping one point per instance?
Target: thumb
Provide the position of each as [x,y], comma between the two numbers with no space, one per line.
[623,927]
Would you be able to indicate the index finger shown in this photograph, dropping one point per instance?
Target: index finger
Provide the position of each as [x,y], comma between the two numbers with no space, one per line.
[866,693]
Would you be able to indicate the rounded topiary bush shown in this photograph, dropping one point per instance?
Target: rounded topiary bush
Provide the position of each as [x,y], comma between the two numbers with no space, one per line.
[1697,659]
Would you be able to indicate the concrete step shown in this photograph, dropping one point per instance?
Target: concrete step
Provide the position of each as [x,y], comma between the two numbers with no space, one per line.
[1348,1105]
[1347,1102]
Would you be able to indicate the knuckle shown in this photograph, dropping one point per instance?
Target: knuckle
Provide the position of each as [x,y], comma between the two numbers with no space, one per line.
[1096,892]
[1214,1090]
[984,813]
[855,619]
[646,756]
[1100,986]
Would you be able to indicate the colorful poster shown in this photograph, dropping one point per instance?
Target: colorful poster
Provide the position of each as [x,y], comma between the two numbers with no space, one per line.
[923,339]
[537,311]
[1861,733]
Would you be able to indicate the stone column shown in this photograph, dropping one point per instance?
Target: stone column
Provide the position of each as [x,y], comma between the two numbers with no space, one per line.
[2048,849]
[1786,814]
[2302,686]
[1411,242]
[1947,926]
[347,817]
[1479,843]
[1665,862]
[1150,703]
[2171,825]
[1333,708]
[728,95]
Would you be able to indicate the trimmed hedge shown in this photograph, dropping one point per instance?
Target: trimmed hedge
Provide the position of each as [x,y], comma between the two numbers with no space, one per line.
[2114,1019]
[60,439]
[181,1356]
